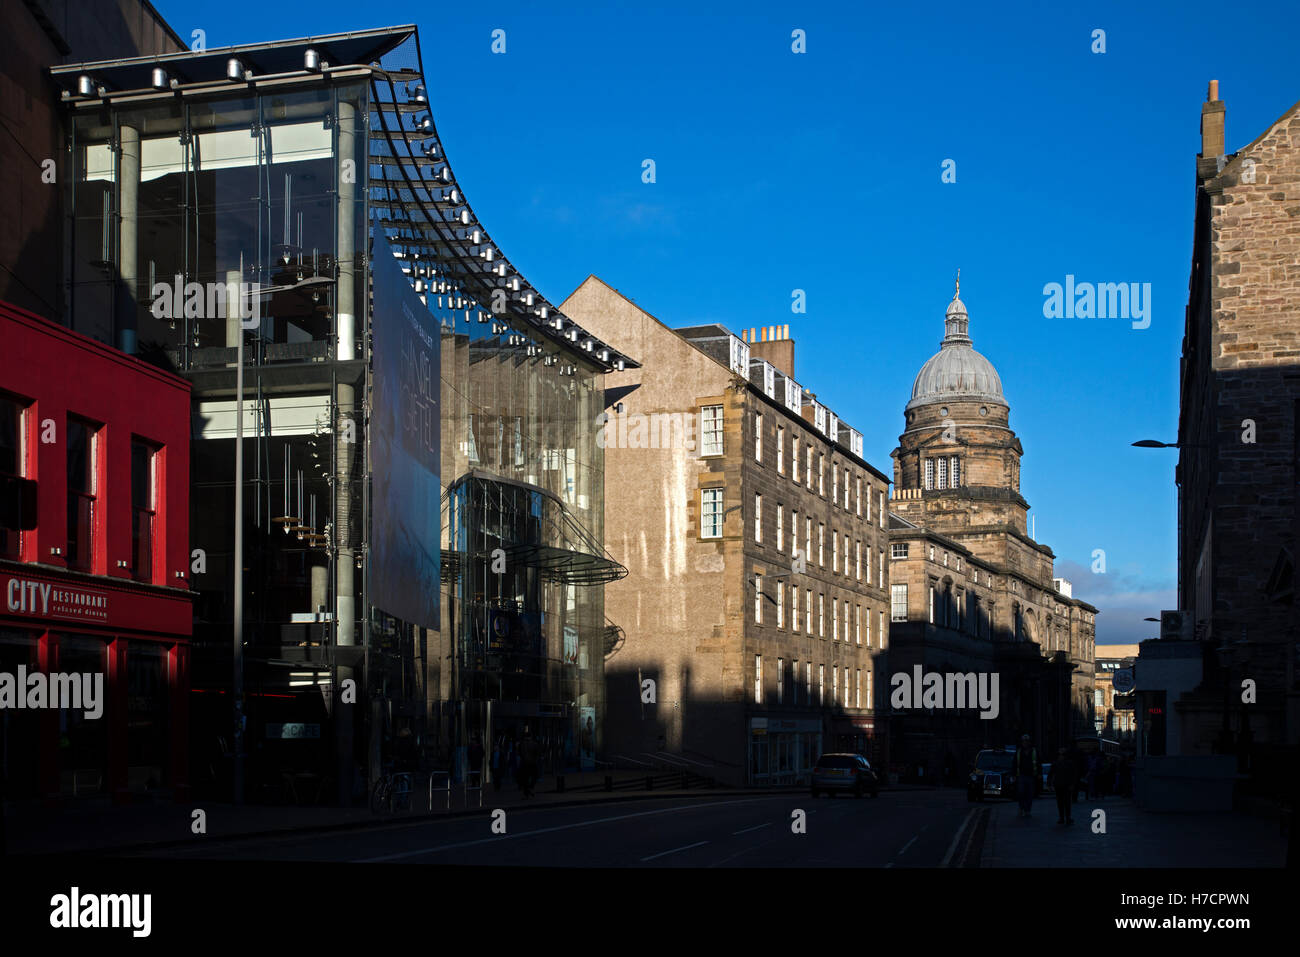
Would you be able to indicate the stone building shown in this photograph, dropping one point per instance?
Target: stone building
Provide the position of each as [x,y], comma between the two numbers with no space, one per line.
[1114,709]
[970,587]
[754,535]
[34,36]
[1239,452]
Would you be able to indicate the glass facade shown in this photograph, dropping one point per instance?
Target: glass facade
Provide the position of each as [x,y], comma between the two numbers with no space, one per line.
[222,224]
[523,608]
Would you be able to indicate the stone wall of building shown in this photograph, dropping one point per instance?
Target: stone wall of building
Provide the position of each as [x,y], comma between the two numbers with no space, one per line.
[1240,454]
[690,605]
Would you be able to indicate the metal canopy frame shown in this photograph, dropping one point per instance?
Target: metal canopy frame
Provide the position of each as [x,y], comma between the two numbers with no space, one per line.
[577,559]
[414,197]
[416,200]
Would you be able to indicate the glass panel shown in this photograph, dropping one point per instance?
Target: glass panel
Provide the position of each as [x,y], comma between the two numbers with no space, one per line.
[83,743]
[93,274]
[148,729]
[19,726]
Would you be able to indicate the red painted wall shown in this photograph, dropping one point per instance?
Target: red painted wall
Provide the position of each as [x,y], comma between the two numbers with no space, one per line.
[65,373]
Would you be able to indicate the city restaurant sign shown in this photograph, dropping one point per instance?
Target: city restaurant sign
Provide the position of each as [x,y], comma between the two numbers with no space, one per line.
[120,604]
[42,599]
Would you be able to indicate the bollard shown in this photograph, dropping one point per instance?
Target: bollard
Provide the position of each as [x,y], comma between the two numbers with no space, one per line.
[649,783]
[609,782]
[559,784]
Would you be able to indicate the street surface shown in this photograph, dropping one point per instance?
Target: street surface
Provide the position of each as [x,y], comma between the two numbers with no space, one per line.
[898,829]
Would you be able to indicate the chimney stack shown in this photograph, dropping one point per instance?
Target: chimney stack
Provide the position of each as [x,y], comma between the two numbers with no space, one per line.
[774,344]
[1212,134]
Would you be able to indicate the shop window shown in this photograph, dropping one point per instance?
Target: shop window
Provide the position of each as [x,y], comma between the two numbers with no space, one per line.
[148,735]
[20,726]
[83,742]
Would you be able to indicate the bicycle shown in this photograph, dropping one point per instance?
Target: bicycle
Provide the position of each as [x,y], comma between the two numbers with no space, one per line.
[392,792]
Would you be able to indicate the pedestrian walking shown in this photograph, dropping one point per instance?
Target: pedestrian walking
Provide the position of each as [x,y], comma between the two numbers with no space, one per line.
[529,752]
[475,758]
[1026,775]
[1061,778]
[1124,784]
[1092,774]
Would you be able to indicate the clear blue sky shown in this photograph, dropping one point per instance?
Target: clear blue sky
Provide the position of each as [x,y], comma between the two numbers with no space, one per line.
[821,171]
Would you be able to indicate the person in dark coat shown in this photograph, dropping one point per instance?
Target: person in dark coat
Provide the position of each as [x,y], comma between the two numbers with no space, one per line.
[529,756]
[1027,770]
[1062,779]
[1092,775]
[475,759]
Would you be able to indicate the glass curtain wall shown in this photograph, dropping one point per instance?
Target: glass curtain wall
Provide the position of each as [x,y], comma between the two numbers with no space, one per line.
[521,465]
[172,204]
[200,225]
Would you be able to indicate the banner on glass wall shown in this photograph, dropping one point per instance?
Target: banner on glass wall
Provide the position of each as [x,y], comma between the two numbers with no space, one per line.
[405,444]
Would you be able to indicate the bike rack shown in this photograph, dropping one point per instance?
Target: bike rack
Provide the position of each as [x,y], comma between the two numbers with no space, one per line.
[402,790]
[476,776]
[446,788]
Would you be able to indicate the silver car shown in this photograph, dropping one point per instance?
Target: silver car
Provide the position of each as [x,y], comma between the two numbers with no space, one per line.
[844,772]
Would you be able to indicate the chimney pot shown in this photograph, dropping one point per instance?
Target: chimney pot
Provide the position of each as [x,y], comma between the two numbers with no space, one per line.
[1213,138]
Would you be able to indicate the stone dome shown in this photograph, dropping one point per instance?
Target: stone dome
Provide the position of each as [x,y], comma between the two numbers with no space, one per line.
[956,371]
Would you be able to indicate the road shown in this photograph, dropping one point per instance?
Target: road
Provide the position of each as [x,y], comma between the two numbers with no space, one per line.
[898,829]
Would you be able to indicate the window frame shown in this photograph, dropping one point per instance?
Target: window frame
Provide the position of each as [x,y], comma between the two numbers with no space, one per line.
[895,591]
[22,465]
[711,426]
[94,452]
[154,464]
[706,514]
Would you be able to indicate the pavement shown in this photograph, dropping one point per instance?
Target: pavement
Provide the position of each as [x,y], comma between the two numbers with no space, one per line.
[1124,835]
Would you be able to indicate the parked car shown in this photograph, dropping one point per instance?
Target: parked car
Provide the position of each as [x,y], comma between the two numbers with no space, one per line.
[994,775]
[844,772]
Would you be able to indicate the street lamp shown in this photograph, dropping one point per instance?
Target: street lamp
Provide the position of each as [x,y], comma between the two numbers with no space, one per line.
[1155,444]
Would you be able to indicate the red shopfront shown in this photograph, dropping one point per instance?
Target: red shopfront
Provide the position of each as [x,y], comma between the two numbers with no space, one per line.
[94,566]
[77,625]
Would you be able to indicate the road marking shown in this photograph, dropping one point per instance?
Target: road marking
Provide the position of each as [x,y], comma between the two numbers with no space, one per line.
[952,848]
[674,851]
[970,839]
[754,828]
[907,845]
[545,830]
[890,864]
